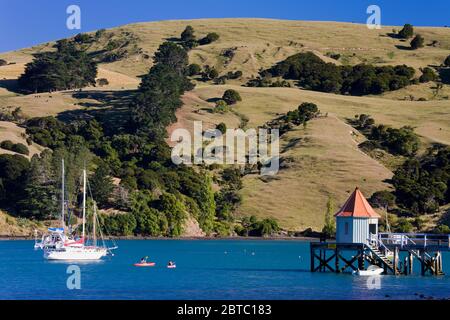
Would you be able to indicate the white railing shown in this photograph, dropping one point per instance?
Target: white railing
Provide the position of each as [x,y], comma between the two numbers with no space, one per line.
[373,238]
[415,239]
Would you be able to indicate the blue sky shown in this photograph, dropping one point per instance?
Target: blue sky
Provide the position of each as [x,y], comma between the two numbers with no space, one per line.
[24,23]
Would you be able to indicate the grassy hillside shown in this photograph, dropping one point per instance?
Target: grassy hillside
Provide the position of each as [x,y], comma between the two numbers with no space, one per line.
[319,161]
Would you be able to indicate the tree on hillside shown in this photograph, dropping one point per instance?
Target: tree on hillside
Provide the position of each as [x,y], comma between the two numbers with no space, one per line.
[422,184]
[193,69]
[428,75]
[67,68]
[172,56]
[308,111]
[101,184]
[382,199]
[175,213]
[210,38]
[188,34]
[329,228]
[13,175]
[407,31]
[417,42]
[41,196]
[231,97]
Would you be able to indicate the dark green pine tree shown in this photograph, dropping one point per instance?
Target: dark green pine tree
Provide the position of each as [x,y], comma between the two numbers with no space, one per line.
[66,68]
[41,195]
[188,34]
[101,184]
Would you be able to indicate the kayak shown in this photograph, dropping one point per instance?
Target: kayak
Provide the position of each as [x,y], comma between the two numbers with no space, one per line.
[145,264]
[172,266]
[371,271]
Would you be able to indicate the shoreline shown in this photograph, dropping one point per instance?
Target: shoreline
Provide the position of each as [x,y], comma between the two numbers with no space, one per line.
[273,238]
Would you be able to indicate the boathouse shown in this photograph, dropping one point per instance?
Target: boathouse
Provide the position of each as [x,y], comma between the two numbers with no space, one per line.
[359,244]
[356,221]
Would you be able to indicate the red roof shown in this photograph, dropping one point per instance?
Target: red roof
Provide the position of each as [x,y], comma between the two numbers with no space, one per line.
[357,206]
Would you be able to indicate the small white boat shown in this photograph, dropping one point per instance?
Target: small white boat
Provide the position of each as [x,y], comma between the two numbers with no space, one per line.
[371,271]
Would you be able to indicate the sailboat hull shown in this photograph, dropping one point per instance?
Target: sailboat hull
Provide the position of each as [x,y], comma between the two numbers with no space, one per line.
[76,254]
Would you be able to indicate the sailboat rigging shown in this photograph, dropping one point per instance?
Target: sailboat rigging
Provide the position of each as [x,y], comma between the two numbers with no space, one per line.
[59,244]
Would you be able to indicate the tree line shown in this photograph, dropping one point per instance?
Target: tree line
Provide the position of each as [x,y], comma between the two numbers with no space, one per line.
[313,73]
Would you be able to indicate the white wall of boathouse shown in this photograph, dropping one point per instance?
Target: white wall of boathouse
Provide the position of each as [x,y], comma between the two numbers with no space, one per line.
[354,229]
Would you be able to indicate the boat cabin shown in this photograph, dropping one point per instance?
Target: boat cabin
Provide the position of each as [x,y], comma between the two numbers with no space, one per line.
[356,221]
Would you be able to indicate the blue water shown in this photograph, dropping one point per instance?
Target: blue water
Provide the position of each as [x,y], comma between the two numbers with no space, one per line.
[209,269]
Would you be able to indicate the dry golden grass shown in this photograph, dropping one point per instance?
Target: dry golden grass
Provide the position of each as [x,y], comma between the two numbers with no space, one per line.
[322,160]
[13,227]
[10,131]
[318,162]
[430,118]
[259,43]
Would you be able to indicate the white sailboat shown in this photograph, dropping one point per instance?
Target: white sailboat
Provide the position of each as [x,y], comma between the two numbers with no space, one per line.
[58,245]
[57,237]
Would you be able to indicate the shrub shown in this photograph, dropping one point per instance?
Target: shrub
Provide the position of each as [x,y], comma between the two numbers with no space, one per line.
[213,73]
[82,38]
[263,228]
[407,31]
[210,38]
[442,229]
[234,75]
[3,62]
[403,226]
[231,97]
[307,111]
[447,61]
[363,121]
[222,127]
[428,75]
[193,69]
[403,141]
[221,107]
[382,199]
[20,148]
[102,82]
[220,80]
[7,145]
[417,42]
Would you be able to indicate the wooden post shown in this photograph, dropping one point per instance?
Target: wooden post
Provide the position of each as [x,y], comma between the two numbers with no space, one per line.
[336,261]
[312,257]
[410,263]
[436,264]
[361,260]
[395,260]
[422,262]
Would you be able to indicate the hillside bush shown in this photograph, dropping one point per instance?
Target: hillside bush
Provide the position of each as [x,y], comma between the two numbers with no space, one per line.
[407,31]
[231,97]
[417,42]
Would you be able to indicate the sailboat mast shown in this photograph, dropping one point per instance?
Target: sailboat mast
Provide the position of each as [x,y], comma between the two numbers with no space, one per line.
[84,202]
[62,193]
[94,225]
